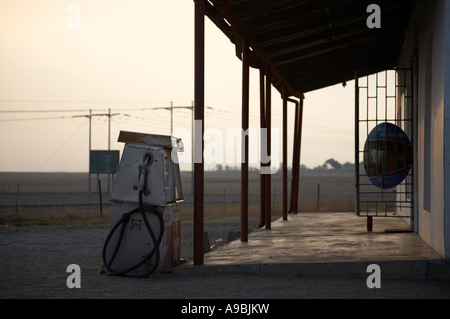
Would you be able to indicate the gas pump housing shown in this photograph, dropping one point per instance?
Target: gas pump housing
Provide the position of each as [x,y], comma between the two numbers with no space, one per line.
[146,201]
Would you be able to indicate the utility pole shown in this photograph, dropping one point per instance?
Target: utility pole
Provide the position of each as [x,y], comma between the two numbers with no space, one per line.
[171,118]
[171,108]
[109,115]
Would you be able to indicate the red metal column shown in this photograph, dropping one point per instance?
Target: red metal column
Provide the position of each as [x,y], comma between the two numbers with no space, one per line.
[297,159]
[199,114]
[268,176]
[262,97]
[245,124]
[294,157]
[299,149]
[285,183]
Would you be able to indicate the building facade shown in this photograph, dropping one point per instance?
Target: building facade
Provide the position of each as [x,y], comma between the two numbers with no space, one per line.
[426,50]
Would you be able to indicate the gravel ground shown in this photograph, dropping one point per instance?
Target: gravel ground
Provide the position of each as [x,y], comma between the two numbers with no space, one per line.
[34,261]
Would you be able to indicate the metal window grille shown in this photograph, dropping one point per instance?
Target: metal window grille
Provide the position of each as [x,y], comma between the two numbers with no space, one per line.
[383,97]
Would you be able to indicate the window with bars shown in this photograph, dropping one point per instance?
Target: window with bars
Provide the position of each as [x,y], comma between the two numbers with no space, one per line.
[384,143]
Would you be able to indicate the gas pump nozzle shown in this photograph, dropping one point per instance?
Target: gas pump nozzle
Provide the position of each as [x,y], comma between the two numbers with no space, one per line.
[143,172]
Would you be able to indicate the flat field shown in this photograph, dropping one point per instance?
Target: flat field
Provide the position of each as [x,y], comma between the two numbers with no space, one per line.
[57,194]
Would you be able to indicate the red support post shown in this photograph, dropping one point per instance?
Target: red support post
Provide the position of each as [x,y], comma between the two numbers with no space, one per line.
[285,183]
[295,167]
[245,125]
[199,114]
[268,176]
[300,123]
[296,155]
[262,97]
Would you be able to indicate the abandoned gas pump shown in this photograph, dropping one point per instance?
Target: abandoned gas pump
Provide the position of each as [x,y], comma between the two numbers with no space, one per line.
[145,231]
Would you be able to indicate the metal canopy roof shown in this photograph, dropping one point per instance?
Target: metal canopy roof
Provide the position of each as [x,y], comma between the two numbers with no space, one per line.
[311,44]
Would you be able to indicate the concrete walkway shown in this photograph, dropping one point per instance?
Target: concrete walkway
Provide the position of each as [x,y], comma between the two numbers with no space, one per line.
[310,256]
[329,244]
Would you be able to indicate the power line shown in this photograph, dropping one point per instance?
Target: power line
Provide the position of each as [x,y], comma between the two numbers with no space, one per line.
[71,153]
[226,114]
[58,117]
[73,102]
[59,148]
[41,111]
[37,118]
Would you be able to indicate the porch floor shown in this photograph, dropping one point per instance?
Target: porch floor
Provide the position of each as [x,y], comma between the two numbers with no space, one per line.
[317,243]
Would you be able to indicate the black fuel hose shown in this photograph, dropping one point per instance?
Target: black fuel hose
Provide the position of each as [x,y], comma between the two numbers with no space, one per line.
[123,221]
[122,224]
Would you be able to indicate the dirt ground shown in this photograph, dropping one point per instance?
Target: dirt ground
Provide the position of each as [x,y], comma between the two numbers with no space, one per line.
[34,258]
[34,262]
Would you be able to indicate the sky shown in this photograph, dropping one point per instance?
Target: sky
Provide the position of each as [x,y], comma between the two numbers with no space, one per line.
[135,58]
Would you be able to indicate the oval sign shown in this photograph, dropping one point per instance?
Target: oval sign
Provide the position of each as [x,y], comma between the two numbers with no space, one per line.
[388,155]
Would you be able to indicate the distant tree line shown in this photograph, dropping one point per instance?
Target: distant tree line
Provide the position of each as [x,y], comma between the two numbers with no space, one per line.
[328,165]
[333,164]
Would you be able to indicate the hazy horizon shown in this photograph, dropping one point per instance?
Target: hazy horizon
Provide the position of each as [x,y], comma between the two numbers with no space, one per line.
[126,56]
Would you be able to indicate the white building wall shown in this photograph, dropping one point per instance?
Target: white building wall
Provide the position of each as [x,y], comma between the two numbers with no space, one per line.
[429,32]
[446,119]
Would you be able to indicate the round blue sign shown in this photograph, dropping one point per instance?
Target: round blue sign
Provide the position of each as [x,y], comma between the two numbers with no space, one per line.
[388,155]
